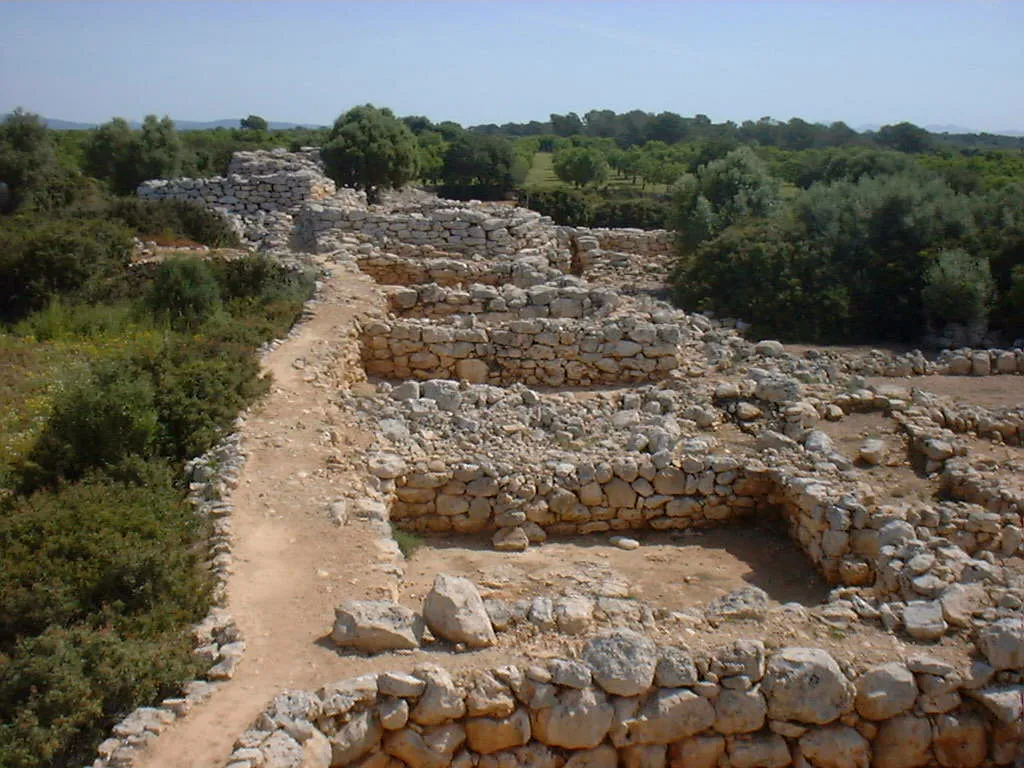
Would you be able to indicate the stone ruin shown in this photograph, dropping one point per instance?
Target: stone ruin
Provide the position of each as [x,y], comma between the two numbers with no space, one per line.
[479,358]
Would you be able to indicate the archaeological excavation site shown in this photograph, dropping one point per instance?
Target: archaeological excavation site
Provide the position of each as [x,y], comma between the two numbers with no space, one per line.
[506,505]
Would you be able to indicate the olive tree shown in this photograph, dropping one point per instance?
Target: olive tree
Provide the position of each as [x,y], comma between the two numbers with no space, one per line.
[369,148]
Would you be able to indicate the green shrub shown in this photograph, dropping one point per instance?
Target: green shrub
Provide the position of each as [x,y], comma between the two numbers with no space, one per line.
[99,585]
[173,219]
[958,289]
[65,320]
[99,419]
[568,207]
[642,214]
[200,384]
[184,291]
[40,259]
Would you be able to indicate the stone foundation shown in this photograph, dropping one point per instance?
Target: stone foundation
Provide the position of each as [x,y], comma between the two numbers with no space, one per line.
[626,702]
[543,351]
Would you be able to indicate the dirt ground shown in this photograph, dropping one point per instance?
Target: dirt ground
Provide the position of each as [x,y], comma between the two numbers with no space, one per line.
[989,391]
[676,572]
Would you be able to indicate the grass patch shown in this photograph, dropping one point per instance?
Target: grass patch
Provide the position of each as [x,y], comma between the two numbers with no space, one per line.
[407,542]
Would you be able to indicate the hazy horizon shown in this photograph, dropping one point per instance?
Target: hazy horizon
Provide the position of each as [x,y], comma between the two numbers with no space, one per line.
[865,63]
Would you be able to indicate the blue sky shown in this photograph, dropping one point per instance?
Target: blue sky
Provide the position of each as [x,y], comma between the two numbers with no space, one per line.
[476,62]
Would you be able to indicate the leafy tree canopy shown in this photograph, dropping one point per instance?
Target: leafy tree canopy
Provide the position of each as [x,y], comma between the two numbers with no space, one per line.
[369,148]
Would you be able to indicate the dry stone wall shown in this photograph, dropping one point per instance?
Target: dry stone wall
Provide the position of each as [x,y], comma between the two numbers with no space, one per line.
[542,351]
[625,701]
[567,297]
[491,230]
[265,181]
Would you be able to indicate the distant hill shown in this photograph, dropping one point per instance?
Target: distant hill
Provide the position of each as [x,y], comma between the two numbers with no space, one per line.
[182,125]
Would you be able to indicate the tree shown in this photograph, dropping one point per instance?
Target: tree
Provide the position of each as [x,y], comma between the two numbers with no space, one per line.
[580,166]
[566,125]
[958,289]
[480,165]
[28,162]
[722,193]
[253,123]
[126,158]
[904,137]
[370,149]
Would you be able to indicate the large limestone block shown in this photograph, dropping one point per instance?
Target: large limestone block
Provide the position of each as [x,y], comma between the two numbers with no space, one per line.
[434,748]
[604,756]
[623,662]
[885,691]
[356,738]
[454,610]
[580,720]
[373,626]
[703,751]
[902,742]
[492,734]
[762,750]
[806,685]
[281,751]
[441,700]
[960,740]
[837,746]
[740,711]
[1002,642]
[669,715]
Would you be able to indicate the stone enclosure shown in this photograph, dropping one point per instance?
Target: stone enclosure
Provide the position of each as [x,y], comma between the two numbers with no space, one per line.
[526,387]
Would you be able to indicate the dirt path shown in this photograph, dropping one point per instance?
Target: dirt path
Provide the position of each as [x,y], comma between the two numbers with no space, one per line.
[292,564]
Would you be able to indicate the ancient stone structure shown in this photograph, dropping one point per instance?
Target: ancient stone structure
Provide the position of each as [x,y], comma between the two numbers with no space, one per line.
[518,404]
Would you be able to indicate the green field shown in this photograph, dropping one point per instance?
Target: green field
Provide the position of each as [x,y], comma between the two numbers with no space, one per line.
[542,178]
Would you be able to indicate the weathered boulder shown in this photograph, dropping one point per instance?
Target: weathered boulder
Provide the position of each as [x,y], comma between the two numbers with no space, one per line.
[743,603]
[902,742]
[670,714]
[580,720]
[454,611]
[623,662]
[1002,642]
[760,750]
[837,746]
[356,738]
[806,685]
[441,700]
[492,734]
[960,740]
[698,752]
[739,711]
[885,691]
[433,748]
[373,626]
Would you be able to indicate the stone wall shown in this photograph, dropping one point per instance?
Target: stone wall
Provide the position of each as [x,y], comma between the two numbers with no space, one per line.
[543,351]
[956,362]
[634,493]
[428,267]
[642,242]
[256,181]
[628,702]
[491,230]
[566,297]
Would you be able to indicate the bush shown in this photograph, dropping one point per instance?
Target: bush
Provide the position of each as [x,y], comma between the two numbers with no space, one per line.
[200,386]
[175,219]
[184,291]
[568,207]
[958,289]
[641,214]
[99,419]
[99,585]
[42,259]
